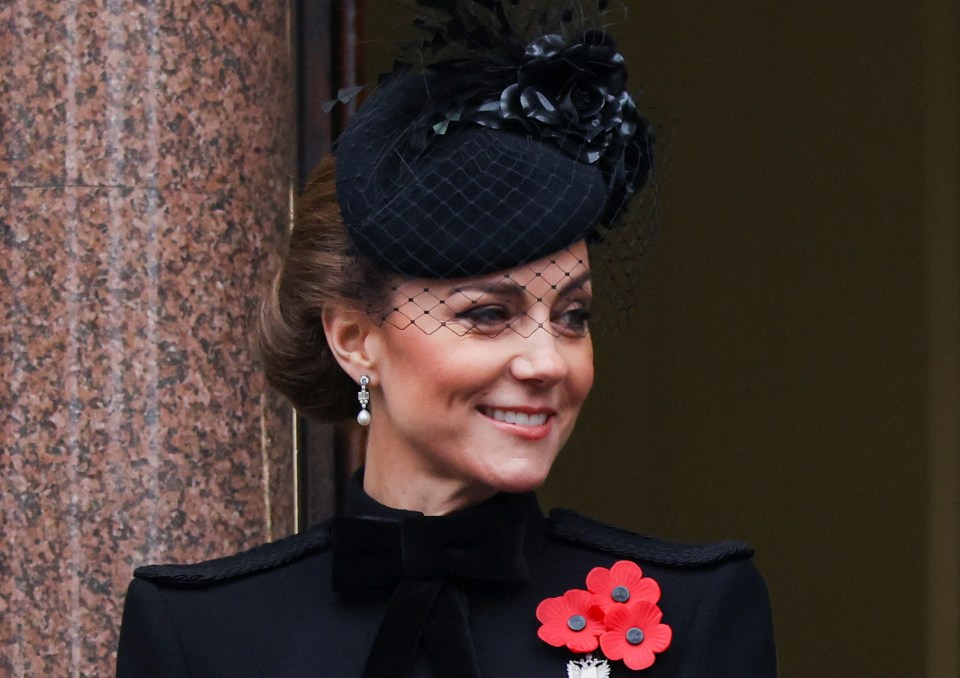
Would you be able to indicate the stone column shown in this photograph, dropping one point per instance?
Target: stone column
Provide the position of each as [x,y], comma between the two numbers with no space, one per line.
[147,150]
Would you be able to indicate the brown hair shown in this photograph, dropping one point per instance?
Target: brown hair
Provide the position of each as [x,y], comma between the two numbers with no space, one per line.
[319,269]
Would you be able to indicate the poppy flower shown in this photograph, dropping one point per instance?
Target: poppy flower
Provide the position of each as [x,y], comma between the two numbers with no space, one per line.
[572,620]
[622,583]
[634,634]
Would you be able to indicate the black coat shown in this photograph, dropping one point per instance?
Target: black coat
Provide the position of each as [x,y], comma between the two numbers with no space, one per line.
[272,611]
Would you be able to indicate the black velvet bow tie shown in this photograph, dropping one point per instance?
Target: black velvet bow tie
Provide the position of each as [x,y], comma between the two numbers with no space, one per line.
[421,563]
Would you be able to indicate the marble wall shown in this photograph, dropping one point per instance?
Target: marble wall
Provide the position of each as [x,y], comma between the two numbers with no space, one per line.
[147,150]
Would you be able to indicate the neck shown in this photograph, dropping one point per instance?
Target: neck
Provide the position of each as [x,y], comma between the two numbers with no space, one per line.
[401,483]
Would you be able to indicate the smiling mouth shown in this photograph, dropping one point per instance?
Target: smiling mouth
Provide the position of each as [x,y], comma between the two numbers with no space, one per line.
[515,417]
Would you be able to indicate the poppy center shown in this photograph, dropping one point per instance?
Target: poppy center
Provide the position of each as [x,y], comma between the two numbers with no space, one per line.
[577,622]
[621,594]
[634,636]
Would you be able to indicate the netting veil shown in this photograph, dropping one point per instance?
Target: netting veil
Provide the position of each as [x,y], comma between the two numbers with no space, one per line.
[503,140]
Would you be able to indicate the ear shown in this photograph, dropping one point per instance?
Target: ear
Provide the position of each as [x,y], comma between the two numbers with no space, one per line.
[351,336]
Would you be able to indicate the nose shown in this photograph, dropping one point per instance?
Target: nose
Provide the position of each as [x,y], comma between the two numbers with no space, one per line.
[539,359]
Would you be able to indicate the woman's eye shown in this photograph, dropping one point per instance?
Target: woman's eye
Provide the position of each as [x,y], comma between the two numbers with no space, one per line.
[574,321]
[486,317]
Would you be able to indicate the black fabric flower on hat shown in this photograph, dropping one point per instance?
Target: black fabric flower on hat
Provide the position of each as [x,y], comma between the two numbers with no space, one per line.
[572,93]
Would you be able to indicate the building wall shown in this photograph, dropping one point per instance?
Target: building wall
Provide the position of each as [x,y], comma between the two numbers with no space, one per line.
[147,155]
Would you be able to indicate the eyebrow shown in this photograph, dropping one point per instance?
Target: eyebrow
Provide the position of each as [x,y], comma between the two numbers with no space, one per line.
[579,281]
[512,288]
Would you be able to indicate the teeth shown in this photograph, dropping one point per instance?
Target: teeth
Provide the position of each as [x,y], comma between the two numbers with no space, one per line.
[518,418]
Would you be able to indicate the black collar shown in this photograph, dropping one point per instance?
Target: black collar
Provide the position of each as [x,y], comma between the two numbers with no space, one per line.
[375,546]
[422,563]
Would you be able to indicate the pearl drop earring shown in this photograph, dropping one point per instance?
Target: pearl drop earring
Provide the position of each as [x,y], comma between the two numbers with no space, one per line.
[363,416]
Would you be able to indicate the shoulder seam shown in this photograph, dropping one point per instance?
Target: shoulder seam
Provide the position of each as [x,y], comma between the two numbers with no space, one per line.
[574,527]
[258,559]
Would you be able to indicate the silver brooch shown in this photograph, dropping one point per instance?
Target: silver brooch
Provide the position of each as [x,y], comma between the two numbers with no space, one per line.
[588,668]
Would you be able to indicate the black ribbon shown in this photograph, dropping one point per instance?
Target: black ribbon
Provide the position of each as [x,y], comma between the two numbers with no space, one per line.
[422,562]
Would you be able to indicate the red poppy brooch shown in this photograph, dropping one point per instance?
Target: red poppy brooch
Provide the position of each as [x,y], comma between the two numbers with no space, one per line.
[617,613]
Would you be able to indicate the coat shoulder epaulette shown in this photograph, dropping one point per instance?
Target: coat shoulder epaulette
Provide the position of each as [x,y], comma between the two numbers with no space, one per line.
[573,527]
[257,559]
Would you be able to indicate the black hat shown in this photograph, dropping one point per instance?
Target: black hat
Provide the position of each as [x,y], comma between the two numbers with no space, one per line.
[501,151]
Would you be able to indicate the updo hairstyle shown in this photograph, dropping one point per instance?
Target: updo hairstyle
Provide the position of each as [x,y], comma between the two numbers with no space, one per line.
[319,269]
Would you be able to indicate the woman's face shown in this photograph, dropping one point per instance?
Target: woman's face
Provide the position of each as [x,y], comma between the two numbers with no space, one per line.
[479,394]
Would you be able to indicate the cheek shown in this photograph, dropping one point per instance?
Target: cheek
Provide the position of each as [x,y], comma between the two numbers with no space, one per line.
[427,371]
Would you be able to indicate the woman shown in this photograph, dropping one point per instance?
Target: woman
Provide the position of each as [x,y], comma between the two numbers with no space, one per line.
[438,286]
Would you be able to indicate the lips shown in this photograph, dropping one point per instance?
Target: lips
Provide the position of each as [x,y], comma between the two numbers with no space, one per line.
[518,417]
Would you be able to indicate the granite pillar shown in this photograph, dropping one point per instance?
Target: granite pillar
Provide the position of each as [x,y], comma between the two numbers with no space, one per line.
[147,150]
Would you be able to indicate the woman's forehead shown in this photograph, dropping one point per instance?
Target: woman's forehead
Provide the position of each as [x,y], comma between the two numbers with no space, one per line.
[568,267]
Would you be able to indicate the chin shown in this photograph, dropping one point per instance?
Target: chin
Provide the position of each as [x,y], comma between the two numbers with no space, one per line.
[525,478]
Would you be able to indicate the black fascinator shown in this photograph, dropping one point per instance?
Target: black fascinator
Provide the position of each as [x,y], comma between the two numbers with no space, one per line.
[505,134]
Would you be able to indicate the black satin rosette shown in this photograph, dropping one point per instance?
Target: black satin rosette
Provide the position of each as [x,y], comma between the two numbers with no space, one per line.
[572,93]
